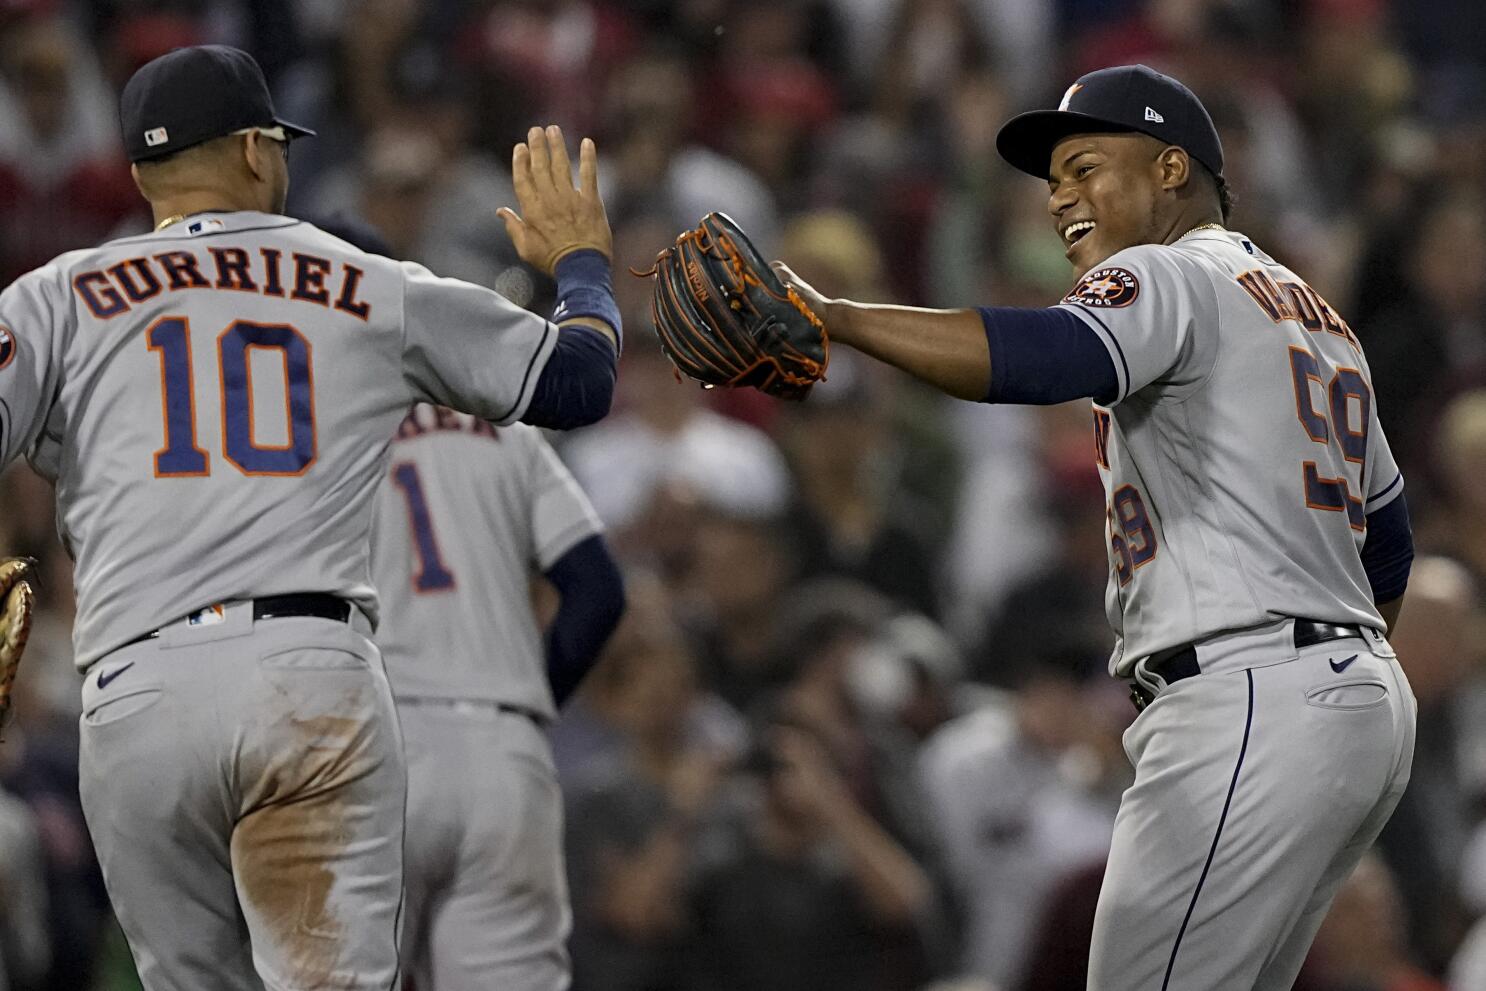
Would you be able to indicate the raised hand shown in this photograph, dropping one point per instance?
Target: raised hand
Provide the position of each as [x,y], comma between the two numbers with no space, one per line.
[556,217]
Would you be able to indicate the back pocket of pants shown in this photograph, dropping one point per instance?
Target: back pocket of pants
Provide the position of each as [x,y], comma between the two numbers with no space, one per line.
[1348,695]
[122,706]
[315,659]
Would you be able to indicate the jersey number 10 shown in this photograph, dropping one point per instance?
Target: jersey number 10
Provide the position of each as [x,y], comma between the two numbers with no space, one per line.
[182,456]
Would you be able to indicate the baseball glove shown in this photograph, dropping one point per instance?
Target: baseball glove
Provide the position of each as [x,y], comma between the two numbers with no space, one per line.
[724,317]
[17,603]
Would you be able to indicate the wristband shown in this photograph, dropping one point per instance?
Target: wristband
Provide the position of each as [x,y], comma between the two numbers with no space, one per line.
[584,289]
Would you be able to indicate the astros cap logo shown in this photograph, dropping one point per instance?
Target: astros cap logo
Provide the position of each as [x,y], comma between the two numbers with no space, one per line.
[8,346]
[1068,95]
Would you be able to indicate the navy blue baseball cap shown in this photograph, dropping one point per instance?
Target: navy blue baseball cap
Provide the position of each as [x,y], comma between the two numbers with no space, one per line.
[191,95]
[1111,101]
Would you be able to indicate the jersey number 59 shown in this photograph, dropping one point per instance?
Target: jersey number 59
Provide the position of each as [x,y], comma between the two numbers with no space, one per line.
[1347,387]
[182,456]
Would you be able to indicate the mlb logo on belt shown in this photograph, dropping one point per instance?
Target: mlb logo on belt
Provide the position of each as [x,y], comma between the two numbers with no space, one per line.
[156,136]
[210,616]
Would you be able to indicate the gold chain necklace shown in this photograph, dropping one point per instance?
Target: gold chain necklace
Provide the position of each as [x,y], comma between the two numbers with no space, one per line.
[177,218]
[1206,227]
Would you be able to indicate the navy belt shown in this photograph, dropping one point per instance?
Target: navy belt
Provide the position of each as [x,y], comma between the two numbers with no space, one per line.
[321,605]
[1177,663]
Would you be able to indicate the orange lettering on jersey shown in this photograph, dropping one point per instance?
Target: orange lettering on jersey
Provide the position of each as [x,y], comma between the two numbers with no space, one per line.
[1303,305]
[309,279]
[181,271]
[102,298]
[142,290]
[273,284]
[232,269]
[1334,324]
[410,427]
[347,301]
[483,428]
[445,418]
[1296,301]
[1101,437]
[1266,293]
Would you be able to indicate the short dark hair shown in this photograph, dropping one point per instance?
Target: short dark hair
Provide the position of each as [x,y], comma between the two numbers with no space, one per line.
[1225,194]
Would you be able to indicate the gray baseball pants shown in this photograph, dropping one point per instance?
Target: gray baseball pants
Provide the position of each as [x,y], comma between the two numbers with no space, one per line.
[487,889]
[1259,784]
[244,786]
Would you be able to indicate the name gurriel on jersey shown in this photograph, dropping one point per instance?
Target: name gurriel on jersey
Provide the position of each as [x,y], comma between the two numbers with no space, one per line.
[111,291]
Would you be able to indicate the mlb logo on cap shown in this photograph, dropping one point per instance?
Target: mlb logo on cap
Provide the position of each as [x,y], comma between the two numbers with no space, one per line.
[192,95]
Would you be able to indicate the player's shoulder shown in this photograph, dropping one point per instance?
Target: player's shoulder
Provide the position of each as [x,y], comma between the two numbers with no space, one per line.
[1183,259]
[46,280]
[1144,271]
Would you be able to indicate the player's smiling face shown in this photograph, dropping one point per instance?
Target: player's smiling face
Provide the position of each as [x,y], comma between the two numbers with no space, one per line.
[1104,195]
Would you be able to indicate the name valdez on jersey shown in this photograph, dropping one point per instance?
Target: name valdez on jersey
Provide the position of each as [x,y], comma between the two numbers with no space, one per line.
[308,278]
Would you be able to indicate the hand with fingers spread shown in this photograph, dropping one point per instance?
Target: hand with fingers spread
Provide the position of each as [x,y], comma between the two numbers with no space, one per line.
[557,218]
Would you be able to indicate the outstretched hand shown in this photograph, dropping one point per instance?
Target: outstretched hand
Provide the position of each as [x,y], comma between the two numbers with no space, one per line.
[557,218]
[813,299]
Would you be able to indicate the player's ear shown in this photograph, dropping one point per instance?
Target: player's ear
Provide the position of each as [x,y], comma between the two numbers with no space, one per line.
[252,149]
[254,155]
[134,174]
[1176,167]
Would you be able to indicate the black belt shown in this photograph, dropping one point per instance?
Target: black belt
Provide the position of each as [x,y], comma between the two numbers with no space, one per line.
[1177,663]
[321,605]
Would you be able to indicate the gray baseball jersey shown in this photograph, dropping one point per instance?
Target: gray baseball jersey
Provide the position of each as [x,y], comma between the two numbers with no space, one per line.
[470,510]
[215,402]
[1242,453]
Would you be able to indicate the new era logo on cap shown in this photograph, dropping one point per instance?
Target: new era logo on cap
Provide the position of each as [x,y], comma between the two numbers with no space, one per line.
[1114,100]
[156,136]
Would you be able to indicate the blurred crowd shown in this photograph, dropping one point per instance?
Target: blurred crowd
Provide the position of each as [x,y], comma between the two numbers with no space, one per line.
[855,732]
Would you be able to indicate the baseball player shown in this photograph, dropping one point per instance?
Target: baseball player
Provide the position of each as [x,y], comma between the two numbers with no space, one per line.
[470,510]
[1258,538]
[215,401]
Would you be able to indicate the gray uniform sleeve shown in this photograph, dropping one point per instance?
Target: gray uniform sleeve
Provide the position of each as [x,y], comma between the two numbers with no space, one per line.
[1383,482]
[561,513]
[1156,313]
[27,373]
[469,347]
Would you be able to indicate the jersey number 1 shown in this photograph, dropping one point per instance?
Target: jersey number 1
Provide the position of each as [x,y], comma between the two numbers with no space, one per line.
[433,575]
[182,456]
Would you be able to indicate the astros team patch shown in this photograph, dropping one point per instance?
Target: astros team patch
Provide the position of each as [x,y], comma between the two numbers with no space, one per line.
[7,346]
[1106,288]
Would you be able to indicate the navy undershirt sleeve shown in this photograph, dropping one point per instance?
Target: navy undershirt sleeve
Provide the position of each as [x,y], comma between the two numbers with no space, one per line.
[1042,357]
[591,591]
[1388,551]
[577,384]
